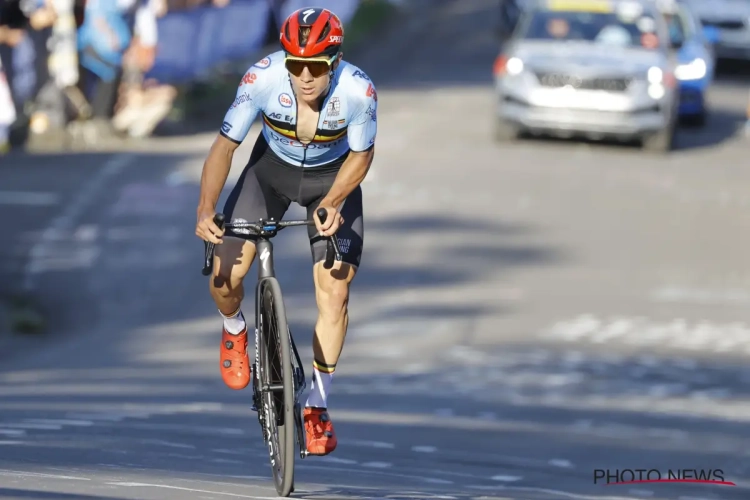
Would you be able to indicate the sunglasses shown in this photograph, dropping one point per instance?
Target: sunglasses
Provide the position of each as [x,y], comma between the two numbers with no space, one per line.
[317,68]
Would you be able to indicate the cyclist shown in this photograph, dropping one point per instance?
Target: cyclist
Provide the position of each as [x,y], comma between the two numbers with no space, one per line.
[316,145]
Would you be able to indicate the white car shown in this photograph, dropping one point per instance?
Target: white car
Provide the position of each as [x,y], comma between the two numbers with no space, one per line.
[597,68]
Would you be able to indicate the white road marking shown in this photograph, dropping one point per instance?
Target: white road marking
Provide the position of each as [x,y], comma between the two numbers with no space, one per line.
[169,444]
[29,198]
[434,480]
[424,449]
[12,432]
[336,460]
[39,427]
[66,221]
[377,465]
[15,473]
[193,490]
[10,443]
[51,421]
[506,479]
[559,462]
[682,295]
[642,332]
[371,444]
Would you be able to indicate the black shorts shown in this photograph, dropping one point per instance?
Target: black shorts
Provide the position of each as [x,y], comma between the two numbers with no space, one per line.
[267,187]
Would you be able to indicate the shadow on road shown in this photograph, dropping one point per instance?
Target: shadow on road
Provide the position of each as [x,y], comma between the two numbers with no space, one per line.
[521,420]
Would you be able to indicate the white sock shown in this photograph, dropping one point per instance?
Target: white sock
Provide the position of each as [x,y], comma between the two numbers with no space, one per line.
[234,323]
[321,383]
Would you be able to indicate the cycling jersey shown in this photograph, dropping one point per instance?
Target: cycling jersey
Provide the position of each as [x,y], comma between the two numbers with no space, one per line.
[347,121]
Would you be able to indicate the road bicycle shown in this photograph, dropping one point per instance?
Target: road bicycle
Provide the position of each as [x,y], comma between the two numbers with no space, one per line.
[278,376]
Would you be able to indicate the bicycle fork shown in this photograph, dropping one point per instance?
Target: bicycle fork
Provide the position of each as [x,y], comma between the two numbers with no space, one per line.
[299,388]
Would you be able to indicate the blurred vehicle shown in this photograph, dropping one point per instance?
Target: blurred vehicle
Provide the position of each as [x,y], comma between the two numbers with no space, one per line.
[509,13]
[598,68]
[695,56]
[731,18]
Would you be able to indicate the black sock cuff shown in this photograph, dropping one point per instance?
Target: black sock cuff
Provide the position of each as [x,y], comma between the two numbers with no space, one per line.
[323,367]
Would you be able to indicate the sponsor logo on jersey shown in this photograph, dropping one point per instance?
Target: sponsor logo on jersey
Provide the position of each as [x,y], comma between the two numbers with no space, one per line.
[361,75]
[248,78]
[240,99]
[285,100]
[372,113]
[371,92]
[334,107]
[263,63]
[313,145]
[226,127]
[279,116]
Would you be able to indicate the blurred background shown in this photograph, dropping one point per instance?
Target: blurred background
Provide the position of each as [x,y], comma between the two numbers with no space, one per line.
[530,306]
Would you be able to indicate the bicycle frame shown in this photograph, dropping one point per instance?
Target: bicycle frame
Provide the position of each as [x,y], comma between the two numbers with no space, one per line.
[264,231]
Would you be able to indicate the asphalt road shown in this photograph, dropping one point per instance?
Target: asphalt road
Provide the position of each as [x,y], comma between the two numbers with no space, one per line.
[524,315]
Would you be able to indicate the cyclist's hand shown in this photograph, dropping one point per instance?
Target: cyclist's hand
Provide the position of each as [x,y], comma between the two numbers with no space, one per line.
[206,229]
[334,220]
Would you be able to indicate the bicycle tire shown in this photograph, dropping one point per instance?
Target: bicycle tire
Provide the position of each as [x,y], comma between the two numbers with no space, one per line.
[275,364]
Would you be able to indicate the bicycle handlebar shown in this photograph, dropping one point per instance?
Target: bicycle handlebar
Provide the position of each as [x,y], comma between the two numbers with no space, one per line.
[332,246]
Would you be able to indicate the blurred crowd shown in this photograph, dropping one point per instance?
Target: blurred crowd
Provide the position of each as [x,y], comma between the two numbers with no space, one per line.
[80,65]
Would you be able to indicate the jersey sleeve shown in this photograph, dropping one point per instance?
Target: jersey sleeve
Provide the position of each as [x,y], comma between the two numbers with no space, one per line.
[250,100]
[363,126]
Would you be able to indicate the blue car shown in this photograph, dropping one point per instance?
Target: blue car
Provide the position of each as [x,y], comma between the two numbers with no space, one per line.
[694,44]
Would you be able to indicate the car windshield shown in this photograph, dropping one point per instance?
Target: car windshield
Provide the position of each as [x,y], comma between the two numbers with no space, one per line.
[679,29]
[606,28]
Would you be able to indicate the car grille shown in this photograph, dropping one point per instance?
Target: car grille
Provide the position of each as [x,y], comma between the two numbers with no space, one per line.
[559,80]
[725,25]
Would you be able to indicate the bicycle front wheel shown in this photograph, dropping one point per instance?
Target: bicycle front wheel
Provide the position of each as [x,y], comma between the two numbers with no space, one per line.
[277,384]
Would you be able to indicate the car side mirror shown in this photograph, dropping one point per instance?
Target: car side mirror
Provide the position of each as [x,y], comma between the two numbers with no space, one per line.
[711,33]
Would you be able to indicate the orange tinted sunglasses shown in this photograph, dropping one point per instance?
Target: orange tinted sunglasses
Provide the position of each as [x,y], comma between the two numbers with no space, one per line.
[317,68]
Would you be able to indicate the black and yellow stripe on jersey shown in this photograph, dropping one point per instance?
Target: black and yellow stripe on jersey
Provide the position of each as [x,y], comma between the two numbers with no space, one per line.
[322,136]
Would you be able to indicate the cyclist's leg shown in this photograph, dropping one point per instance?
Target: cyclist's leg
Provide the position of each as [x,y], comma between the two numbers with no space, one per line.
[253,197]
[332,296]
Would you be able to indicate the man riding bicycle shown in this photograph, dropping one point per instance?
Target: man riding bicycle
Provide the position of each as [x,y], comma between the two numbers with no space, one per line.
[319,121]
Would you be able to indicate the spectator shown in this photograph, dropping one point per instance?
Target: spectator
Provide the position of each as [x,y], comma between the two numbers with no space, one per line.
[7,109]
[143,104]
[103,39]
[13,23]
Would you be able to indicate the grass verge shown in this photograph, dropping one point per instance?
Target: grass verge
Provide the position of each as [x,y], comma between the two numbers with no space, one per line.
[20,315]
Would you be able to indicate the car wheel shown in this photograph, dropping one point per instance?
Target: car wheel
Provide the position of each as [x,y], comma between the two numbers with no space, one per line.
[661,141]
[505,132]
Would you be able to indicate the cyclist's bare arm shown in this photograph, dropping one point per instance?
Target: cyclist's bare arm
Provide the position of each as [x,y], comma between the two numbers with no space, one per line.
[362,131]
[215,172]
[351,175]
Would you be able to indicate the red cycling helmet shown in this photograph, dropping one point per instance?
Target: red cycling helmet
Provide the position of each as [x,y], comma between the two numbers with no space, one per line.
[325,38]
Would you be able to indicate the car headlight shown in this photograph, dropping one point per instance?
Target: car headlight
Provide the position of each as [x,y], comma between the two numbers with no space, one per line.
[514,66]
[654,75]
[694,70]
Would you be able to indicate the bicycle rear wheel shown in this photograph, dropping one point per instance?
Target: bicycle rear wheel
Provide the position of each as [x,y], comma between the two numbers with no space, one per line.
[277,384]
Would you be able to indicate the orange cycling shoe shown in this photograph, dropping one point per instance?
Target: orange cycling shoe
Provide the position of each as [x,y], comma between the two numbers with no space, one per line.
[321,440]
[234,362]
